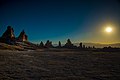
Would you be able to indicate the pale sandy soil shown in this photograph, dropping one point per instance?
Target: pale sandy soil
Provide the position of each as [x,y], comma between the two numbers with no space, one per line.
[59,65]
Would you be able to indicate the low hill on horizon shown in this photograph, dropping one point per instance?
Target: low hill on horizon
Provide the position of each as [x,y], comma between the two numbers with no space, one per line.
[99,45]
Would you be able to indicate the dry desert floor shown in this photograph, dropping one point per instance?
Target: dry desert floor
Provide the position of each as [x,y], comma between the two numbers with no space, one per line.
[59,65]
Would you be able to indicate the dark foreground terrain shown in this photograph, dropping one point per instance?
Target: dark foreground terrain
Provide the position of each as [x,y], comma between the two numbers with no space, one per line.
[59,65]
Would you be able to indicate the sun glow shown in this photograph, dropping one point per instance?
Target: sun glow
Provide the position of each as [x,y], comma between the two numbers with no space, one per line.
[108,29]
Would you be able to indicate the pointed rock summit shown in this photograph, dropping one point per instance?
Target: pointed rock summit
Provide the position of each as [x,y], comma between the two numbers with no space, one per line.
[41,45]
[59,45]
[8,35]
[69,43]
[22,37]
[48,44]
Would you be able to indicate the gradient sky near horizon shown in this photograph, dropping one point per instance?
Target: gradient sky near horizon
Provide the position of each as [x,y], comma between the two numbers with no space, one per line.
[58,20]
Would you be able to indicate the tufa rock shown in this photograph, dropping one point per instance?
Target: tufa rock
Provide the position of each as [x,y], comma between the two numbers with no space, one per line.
[59,45]
[22,37]
[41,45]
[69,44]
[48,44]
[8,36]
[80,45]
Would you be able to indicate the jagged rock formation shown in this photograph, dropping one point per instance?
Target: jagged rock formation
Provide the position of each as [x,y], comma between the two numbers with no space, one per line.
[84,46]
[69,44]
[93,47]
[8,36]
[59,45]
[48,44]
[22,37]
[19,43]
[41,45]
[22,41]
[80,45]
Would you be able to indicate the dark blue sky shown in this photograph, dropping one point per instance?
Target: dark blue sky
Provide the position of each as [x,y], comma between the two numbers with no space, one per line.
[79,20]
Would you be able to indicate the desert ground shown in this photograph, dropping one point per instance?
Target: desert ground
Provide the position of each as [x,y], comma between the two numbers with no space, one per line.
[59,65]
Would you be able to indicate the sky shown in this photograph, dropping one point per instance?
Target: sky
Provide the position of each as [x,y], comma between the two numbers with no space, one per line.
[58,20]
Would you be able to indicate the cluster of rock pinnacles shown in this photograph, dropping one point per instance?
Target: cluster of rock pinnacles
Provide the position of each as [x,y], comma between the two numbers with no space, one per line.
[68,44]
[9,37]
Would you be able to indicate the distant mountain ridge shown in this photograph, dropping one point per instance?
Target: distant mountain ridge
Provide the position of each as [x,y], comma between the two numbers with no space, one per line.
[99,45]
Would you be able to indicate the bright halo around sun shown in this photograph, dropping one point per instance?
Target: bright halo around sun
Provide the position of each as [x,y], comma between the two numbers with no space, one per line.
[108,29]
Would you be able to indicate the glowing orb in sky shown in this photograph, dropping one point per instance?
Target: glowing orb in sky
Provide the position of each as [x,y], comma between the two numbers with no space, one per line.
[108,29]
